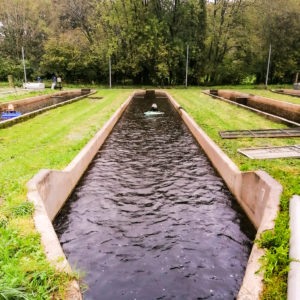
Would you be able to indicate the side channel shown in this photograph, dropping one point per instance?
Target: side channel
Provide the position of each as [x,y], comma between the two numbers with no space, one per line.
[151,218]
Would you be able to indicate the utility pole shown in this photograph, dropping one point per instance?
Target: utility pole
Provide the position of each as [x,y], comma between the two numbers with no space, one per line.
[23,57]
[109,65]
[297,76]
[268,68]
[187,66]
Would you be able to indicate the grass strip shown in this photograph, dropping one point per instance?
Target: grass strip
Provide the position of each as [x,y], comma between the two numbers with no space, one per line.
[213,115]
[50,140]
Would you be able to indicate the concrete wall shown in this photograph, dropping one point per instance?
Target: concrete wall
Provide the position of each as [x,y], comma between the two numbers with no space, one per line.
[280,108]
[28,104]
[29,115]
[289,92]
[257,193]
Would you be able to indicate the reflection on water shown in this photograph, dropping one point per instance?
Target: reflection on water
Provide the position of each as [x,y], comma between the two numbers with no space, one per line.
[151,219]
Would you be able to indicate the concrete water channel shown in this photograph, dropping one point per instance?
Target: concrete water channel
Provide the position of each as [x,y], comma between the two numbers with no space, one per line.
[151,218]
[30,107]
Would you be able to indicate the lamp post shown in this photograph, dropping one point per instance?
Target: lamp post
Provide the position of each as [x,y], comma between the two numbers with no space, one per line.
[187,66]
[23,57]
[268,67]
[109,66]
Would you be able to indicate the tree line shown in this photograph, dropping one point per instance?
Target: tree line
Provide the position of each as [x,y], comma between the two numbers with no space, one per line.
[146,40]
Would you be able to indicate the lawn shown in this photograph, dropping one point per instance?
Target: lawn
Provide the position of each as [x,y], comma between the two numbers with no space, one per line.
[213,115]
[4,84]
[50,140]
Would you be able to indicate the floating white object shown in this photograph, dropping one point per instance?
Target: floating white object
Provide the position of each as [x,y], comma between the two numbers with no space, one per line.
[34,86]
[153,113]
[272,152]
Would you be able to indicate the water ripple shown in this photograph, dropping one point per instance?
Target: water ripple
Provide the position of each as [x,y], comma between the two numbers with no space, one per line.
[151,219]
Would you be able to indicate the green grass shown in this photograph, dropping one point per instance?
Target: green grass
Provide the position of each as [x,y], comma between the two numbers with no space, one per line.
[50,140]
[4,84]
[213,115]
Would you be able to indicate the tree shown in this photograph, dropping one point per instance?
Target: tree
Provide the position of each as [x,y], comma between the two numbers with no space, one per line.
[25,24]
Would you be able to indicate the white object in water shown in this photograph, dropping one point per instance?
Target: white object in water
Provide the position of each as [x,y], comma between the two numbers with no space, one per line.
[153,113]
[34,86]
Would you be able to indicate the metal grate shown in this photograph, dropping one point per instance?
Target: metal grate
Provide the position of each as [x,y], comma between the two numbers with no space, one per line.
[260,133]
[272,152]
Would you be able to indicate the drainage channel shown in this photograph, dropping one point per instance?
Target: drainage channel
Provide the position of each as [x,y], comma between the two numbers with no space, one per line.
[151,218]
[31,107]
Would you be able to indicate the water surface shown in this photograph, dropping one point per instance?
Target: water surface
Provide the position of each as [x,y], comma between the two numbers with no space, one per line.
[151,218]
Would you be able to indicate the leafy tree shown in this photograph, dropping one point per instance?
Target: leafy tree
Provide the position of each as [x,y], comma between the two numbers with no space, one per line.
[67,55]
[25,24]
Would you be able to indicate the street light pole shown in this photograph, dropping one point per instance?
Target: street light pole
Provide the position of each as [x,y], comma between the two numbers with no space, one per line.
[268,68]
[187,66]
[23,57]
[109,63]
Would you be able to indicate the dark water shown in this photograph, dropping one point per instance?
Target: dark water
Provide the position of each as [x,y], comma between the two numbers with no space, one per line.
[47,102]
[151,219]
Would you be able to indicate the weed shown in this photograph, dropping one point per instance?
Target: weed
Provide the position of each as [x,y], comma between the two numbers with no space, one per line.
[23,209]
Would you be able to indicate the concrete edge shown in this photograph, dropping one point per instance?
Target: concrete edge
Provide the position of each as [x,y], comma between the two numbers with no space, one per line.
[258,187]
[30,115]
[269,116]
[293,292]
[285,93]
[42,220]
[38,97]
[275,101]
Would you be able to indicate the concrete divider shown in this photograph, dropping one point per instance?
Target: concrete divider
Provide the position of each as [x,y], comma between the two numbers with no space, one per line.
[274,118]
[289,92]
[29,115]
[22,104]
[282,109]
[257,192]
